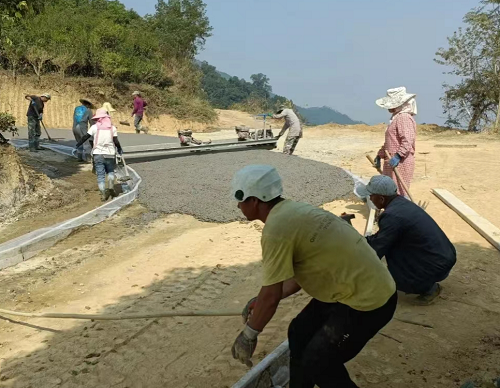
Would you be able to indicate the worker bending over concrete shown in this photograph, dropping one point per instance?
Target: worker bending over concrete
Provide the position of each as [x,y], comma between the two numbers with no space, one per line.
[303,246]
[418,253]
[104,147]
[35,116]
[292,123]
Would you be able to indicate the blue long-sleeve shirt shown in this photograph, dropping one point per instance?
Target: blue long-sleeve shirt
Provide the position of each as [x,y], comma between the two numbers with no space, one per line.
[417,251]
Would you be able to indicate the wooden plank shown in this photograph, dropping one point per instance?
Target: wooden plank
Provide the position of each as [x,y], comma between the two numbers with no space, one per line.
[369,222]
[455,145]
[485,228]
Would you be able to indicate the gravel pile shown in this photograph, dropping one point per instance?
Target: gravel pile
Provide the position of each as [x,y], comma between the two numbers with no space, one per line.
[199,185]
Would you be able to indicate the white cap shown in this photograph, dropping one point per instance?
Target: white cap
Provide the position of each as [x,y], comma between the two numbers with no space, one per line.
[260,181]
[379,185]
[136,93]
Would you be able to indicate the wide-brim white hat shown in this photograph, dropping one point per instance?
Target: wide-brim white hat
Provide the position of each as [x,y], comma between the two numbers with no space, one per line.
[395,98]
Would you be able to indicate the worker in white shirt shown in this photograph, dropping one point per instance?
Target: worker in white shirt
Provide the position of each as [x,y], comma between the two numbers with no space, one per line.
[292,123]
[104,148]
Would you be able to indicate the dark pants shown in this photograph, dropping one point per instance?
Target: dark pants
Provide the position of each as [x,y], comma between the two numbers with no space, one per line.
[34,133]
[324,336]
[138,123]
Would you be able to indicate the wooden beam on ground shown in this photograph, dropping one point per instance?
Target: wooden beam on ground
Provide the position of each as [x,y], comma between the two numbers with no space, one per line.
[485,228]
[369,222]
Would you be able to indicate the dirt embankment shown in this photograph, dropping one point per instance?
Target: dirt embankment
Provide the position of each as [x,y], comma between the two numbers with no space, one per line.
[66,93]
[41,189]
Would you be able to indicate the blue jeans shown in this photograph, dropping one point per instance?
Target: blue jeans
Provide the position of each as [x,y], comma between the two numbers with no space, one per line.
[105,166]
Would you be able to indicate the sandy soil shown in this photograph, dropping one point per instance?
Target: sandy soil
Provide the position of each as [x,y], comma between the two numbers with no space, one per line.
[69,189]
[139,261]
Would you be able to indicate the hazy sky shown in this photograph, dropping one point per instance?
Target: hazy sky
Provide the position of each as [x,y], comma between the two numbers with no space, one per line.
[339,53]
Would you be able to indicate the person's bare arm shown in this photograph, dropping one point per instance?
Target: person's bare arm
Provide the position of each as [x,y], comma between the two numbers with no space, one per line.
[267,303]
[290,287]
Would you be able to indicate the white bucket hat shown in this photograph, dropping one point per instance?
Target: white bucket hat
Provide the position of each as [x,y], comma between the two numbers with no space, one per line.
[395,98]
[260,181]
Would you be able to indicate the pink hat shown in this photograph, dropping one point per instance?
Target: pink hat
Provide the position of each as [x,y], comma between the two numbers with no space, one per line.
[100,113]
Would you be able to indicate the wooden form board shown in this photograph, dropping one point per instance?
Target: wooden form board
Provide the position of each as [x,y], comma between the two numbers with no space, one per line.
[485,228]
[369,222]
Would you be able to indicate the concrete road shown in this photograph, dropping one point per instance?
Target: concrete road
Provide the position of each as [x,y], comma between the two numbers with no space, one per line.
[65,137]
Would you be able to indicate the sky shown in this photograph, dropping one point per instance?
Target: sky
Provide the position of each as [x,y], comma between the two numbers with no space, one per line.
[339,53]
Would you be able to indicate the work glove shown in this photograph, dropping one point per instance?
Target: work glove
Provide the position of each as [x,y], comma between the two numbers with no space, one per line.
[244,346]
[40,117]
[377,162]
[395,160]
[120,151]
[73,151]
[247,310]
[277,137]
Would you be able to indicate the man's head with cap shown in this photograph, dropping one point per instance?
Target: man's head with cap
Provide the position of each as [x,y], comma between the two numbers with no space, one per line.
[381,189]
[257,188]
[45,97]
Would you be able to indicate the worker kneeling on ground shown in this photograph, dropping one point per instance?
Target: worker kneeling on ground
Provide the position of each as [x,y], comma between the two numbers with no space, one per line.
[417,251]
[105,140]
[354,295]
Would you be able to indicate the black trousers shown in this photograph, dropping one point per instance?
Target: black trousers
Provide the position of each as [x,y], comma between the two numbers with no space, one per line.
[324,336]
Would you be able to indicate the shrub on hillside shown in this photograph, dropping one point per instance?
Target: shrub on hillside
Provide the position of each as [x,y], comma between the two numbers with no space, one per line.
[7,124]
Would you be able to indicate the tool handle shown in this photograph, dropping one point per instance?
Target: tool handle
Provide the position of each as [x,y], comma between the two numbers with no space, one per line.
[373,164]
[388,155]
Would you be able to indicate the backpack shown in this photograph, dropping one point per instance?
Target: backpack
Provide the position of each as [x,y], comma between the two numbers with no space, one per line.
[79,113]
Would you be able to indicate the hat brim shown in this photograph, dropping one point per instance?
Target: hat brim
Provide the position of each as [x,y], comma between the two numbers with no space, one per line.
[83,101]
[97,117]
[362,191]
[392,103]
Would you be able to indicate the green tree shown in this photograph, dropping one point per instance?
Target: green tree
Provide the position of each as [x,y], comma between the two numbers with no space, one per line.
[474,56]
[182,26]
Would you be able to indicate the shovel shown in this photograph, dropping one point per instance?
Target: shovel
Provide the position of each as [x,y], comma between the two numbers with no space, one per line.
[126,178]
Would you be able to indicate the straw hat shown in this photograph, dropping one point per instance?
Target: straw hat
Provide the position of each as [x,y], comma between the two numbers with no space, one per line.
[395,98]
[100,113]
[136,93]
[86,101]
[109,108]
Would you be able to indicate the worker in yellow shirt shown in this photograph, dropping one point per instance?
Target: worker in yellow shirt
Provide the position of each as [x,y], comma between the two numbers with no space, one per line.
[305,247]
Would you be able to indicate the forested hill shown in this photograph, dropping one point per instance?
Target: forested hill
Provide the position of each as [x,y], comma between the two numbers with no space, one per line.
[325,115]
[226,92]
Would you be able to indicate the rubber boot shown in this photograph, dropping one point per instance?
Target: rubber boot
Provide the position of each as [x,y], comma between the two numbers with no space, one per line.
[429,297]
[105,195]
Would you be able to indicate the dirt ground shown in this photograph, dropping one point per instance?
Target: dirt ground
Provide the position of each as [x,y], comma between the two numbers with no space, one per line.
[57,188]
[140,261]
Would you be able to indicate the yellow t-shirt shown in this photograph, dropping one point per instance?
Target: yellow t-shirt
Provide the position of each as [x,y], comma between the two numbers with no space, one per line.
[325,255]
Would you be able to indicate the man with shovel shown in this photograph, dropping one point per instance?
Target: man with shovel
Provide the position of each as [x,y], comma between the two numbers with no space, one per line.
[418,253]
[139,105]
[35,116]
[305,247]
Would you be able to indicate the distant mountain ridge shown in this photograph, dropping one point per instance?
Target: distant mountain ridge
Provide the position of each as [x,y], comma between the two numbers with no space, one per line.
[312,116]
[325,115]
